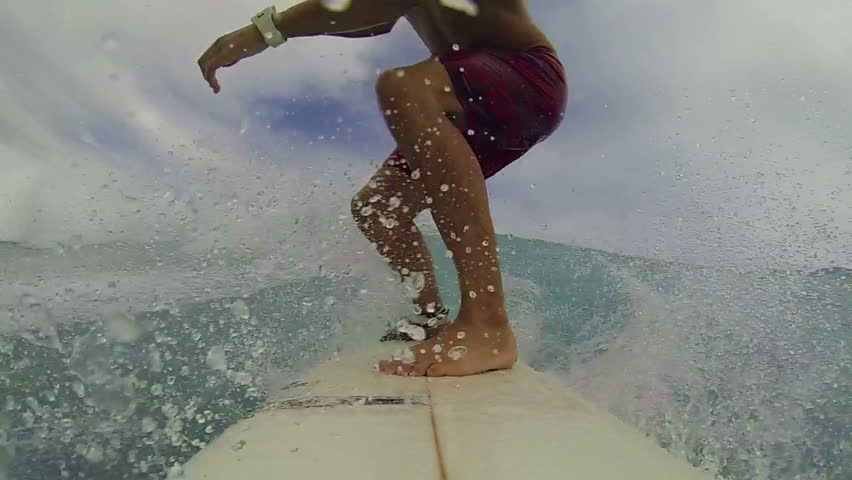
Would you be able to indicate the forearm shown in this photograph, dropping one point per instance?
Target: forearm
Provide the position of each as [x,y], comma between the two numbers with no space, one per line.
[311,18]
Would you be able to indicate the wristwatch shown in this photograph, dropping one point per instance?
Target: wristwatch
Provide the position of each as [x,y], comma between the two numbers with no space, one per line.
[263,22]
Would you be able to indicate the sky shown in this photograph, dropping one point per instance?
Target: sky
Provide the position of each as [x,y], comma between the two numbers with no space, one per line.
[706,132]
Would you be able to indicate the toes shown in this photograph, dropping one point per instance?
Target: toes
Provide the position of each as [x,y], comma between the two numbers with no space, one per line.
[388,367]
[419,369]
[395,367]
[436,370]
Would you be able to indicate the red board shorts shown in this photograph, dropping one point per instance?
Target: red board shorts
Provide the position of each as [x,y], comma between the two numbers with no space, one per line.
[512,100]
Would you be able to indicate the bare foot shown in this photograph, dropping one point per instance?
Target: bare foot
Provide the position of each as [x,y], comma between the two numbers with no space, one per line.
[464,347]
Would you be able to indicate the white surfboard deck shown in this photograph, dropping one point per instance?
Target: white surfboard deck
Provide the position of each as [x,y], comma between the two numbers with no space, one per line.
[345,420]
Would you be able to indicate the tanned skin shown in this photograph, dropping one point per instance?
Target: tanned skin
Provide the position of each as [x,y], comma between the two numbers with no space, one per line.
[426,120]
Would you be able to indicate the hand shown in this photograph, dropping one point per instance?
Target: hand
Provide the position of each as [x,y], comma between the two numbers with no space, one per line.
[228,50]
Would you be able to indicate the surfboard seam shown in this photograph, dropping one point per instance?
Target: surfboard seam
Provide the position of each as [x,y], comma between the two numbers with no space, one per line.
[441,467]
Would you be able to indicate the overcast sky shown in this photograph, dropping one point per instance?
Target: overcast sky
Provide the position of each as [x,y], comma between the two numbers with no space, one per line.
[705,131]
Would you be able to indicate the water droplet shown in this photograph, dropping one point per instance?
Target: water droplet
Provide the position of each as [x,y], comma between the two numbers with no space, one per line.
[470,132]
[416,332]
[388,222]
[393,202]
[110,41]
[490,288]
[415,174]
[79,389]
[456,353]
[466,6]
[121,327]
[456,47]
[437,348]
[418,281]
[460,335]
[444,187]
[148,425]
[216,358]
[472,294]
[240,310]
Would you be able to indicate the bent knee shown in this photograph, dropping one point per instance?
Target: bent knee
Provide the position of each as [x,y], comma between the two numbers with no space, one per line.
[365,208]
[356,206]
[392,83]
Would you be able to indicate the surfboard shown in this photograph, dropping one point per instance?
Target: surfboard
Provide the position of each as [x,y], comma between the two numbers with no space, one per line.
[346,420]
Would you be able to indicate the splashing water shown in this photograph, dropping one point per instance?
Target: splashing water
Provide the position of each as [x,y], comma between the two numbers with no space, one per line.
[744,373]
[467,6]
[336,5]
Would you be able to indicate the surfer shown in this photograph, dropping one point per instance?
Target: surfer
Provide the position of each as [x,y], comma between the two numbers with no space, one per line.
[491,89]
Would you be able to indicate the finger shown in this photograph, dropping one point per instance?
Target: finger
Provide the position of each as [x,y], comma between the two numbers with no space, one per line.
[203,68]
[211,79]
[204,59]
[207,63]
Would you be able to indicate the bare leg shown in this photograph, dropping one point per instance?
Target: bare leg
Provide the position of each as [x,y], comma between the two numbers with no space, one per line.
[384,211]
[415,105]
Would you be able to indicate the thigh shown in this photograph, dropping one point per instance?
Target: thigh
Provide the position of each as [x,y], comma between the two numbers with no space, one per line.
[393,192]
[429,76]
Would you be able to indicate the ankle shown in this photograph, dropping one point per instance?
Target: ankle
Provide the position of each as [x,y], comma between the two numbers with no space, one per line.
[430,308]
[486,315]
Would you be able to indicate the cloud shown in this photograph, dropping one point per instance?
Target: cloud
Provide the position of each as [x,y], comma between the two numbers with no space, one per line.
[704,131]
[112,134]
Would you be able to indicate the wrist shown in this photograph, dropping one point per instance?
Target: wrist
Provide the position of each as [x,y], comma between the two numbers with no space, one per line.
[268,28]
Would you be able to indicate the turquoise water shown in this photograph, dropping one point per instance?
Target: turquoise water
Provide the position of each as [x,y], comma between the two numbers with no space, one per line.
[124,372]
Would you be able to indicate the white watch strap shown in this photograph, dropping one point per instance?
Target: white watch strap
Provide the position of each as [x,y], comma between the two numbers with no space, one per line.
[263,22]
